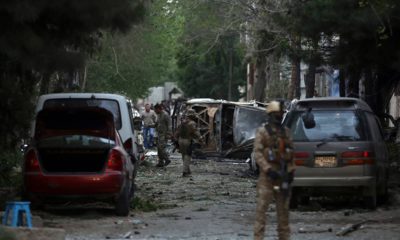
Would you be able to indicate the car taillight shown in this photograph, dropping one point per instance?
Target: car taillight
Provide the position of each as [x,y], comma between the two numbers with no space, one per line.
[115,160]
[32,162]
[300,158]
[358,158]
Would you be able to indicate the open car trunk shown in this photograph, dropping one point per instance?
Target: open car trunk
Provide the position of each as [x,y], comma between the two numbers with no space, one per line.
[74,140]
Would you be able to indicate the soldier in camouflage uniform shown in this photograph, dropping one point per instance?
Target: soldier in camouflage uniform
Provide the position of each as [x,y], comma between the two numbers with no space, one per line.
[163,128]
[185,133]
[273,149]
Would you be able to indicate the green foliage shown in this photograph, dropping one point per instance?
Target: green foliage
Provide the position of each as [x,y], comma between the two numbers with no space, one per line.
[9,162]
[207,48]
[142,58]
[40,38]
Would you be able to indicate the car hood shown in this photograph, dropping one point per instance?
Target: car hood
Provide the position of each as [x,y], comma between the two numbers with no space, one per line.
[91,121]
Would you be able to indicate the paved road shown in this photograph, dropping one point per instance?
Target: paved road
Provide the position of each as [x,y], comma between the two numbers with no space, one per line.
[218,202]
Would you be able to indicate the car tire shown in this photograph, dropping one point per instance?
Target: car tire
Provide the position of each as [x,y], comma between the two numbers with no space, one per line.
[122,204]
[383,193]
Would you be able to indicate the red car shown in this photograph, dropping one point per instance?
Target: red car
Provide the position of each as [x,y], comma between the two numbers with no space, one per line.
[78,153]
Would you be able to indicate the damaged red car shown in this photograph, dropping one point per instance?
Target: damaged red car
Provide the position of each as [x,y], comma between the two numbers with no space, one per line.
[78,153]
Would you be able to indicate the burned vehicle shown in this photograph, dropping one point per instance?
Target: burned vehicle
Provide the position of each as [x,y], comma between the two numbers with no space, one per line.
[228,128]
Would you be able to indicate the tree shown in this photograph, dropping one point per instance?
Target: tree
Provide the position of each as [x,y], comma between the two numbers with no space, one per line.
[367,45]
[144,57]
[40,38]
[210,53]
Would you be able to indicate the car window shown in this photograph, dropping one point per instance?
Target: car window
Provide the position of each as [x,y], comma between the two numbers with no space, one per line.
[108,104]
[376,129]
[246,123]
[332,125]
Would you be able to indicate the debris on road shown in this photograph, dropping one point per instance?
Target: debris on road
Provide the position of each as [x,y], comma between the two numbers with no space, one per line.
[350,228]
[304,230]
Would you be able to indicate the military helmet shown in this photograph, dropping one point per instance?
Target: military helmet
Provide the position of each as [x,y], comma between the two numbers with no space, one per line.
[274,106]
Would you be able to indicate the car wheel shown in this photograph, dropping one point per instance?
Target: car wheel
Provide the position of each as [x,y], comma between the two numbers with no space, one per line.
[122,205]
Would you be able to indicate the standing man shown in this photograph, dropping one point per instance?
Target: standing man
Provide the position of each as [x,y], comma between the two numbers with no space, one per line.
[273,149]
[149,121]
[163,128]
[185,133]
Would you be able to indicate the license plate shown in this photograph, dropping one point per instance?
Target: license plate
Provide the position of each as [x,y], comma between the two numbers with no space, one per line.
[325,161]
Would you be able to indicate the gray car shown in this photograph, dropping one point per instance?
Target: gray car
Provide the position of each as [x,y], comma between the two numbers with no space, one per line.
[339,150]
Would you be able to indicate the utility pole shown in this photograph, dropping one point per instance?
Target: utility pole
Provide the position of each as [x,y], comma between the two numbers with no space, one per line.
[230,74]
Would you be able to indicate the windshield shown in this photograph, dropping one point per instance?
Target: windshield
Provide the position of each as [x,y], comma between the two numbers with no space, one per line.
[246,123]
[329,125]
[110,105]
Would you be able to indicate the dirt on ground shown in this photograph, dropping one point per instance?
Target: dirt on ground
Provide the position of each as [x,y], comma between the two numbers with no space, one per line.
[216,202]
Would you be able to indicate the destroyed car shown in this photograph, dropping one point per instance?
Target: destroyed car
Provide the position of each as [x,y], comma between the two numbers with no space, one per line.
[228,128]
[81,148]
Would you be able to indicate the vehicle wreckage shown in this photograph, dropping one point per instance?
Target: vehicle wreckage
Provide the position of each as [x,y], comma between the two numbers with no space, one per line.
[228,128]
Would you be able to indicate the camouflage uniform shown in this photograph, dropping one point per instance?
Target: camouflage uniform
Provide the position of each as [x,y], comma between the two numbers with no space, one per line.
[269,149]
[163,128]
[185,134]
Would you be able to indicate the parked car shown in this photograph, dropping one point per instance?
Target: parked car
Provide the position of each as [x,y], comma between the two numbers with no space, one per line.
[82,147]
[339,149]
[227,127]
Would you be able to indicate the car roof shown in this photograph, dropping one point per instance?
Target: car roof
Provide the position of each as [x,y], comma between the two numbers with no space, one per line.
[332,103]
[83,95]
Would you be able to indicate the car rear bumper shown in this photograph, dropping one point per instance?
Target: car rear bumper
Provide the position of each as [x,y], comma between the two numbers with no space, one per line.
[333,181]
[106,184]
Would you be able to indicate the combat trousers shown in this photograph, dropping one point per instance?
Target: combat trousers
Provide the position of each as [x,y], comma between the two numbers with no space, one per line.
[184,148]
[265,195]
[161,149]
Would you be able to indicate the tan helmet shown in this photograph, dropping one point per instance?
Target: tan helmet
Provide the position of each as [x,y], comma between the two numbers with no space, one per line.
[274,106]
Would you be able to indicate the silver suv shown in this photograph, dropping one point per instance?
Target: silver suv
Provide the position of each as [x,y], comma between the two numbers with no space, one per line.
[339,149]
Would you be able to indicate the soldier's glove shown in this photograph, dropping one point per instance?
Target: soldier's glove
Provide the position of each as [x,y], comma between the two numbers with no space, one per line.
[273,175]
[290,177]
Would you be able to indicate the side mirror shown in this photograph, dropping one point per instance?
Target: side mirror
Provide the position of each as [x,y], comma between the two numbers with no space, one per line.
[308,119]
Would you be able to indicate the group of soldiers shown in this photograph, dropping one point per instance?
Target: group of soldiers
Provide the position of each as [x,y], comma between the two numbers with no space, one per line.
[183,136]
[273,149]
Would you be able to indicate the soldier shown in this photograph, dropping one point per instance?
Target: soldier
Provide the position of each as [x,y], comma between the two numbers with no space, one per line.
[163,128]
[273,149]
[185,133]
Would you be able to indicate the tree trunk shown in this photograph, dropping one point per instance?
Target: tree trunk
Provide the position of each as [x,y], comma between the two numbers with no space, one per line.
[352,89]
[310,80]
[260,78]
[44,83]
[342,82]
